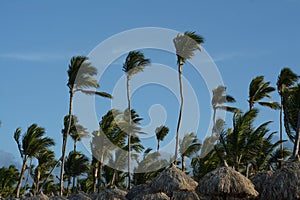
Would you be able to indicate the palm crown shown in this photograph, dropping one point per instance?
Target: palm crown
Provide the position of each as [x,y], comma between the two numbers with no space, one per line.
[135,62]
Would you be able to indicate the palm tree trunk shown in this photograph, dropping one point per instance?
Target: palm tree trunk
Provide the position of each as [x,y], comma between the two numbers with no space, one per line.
[182,163]
[95,172]
[37,181]
[75,146]
[73,184]
[297,139]
[129,134]
[99,176]
[280,131]
[68,186]
[158,145]
[65,139]
[181,108]
[21,178]
[28,174]
[214,117]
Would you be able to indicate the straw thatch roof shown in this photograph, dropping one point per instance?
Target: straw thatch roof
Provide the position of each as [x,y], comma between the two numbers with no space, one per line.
[186,195]
[58,198]
[110,194]
[259,180]
[155,196]
[143,189]
[79,196]
[225,182]
[38,197]
[172,179]
[284,184]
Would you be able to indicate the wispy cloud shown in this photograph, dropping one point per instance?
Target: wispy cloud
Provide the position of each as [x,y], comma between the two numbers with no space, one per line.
[34,56]
[238,55]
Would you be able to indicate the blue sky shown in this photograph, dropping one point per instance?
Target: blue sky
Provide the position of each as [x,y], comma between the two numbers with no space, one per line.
[37,39]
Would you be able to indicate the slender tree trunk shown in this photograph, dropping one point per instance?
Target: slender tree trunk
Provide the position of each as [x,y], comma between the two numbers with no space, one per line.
[21,178]
[114,177]
[158,145]
[68,186]
[129,134]
[28,174]
[280,130]
[99,176]
[75,146]
[297,139]
[214,116]
[40,189]
[182,163]
[37,181]
[65,139]
[95,172]
[73,184]
[181,108]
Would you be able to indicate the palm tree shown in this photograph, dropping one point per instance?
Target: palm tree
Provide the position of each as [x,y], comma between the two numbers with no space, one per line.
[258,90]
[286,79]
[161,132]
[185,45]
[33,142]
[8,178]
[46,160]
[135,62]
[188,146]
[219,98]
[76,165]
[80,74]
[77,131]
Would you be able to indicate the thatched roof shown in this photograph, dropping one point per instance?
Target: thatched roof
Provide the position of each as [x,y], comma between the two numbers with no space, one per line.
[259,180]
[143,189]
[155,196]
[110,194]
[186,195]
[38,197]
[58,198]
[79,196]
[225,182]
[284,184]
[172,179]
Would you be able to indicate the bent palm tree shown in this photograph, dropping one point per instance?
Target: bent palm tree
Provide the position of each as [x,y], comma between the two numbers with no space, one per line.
[219,98]
[286,79]
[258,90]
[188,146]
[161,132]
[135,62]
[185,45]
[80,74]
[33,142]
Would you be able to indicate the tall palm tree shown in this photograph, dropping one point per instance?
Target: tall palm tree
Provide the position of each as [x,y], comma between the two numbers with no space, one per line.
[80,74]
[32,143]
[258,90]
[76,165]
[188,146]
[161,132]
[220,97]
[186,44]
[286,79]
[135,62]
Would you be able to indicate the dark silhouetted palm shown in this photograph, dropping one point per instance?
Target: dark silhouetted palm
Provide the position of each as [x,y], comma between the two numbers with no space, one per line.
[32,143]
[161,132]
[135,62]
[188,146]
[80,74]
[185,44]
[286,79]
[8,179]
[258,90]
[76,165]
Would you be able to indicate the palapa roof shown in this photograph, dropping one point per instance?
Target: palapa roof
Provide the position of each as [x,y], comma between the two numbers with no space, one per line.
[79,196]
[226,182]
[172,179]
[110,194]
[186,195]
[155,196]
[142,189]
[284,184]
[260,178]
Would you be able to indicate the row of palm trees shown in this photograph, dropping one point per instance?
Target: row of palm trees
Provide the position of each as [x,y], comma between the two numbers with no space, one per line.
[243,146]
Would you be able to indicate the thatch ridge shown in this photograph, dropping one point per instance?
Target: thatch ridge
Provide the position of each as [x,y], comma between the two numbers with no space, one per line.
[155,196]
[226,182]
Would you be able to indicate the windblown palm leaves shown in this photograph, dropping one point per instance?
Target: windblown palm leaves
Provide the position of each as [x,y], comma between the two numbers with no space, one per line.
[161,132]
[8,179]
[258,90]
[185,44]
[188,146]
[32,143]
